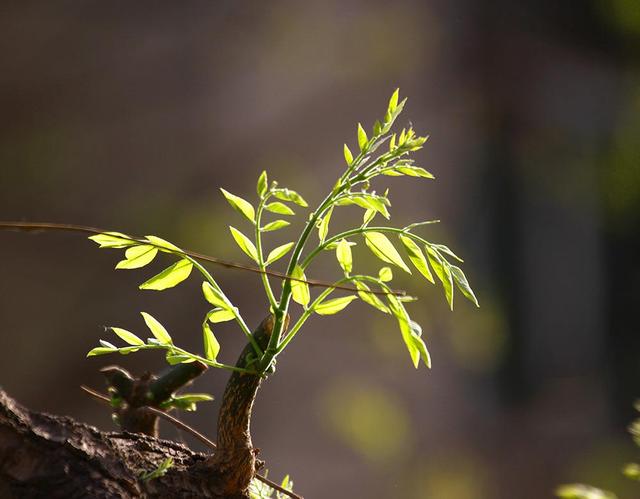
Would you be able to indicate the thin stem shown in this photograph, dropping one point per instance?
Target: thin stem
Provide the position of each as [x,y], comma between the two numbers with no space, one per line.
[261,265]
[236,314]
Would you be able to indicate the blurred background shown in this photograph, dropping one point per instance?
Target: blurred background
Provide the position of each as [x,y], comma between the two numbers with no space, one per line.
[130,116]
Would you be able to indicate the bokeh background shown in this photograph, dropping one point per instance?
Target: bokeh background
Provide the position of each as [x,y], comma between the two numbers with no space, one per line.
[130,115]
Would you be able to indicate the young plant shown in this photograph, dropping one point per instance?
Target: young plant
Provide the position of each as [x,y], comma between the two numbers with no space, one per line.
[381,153]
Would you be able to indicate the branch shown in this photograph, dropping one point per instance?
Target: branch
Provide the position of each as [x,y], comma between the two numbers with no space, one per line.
[45,226]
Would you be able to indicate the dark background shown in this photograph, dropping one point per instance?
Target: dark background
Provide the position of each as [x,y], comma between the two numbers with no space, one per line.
[130,115]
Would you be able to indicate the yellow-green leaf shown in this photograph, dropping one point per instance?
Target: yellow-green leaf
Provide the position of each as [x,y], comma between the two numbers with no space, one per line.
[343,254]
[348,157]
[278,253]
[385,274]
[262,186]
[213,296]
[463,284]
[241,205]
[211,345]
[221,315]
[362,138]
[245,244]
[380,245]
[393,102]
[138,256]
[289,195]
[330,307]
[156,328]
[441,268]
[275,225]
[113,240]
[300,290]
[323,226]
[162,244]
[100,351]
[279,208]
[127,336]
[417,257]
[169,277]
[364,292]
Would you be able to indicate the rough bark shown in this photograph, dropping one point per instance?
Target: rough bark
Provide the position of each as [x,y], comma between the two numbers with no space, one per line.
[56,457]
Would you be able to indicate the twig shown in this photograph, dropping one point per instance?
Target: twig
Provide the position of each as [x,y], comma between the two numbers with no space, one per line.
[43,226]
[195,433]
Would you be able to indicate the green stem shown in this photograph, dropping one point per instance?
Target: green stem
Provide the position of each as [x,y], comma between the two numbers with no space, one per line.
[261,265]
[236,313]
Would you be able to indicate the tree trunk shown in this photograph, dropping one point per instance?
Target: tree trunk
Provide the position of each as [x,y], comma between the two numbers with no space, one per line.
[55,457]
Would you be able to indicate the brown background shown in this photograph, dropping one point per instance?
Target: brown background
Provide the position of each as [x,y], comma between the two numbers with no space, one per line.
[130,115]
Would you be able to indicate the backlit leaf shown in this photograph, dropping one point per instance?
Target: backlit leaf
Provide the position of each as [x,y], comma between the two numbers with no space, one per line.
[138,256]
[156,328]
[393,101]
[279,208]
[289,195]
[440,267]
[245,244]
[330,307]
[348,157]
[169,277]
[417,257]
[100,351]
[462,283]
[162,244]
[362,138]
[369,214]
[299,290]
[113,240]
[211,345]
[343,254]
[262,187]
[370,298]
[380,246]
[127,336]
[385,274]
[323,226]
[275,225]
[213,296]
[221,315]
[278,253]
[414,171]
[241,205]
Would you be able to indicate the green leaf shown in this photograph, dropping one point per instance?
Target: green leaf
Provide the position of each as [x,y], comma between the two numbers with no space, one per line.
[385,274]
[463,284]
[330,307]
[279,208]
[580,491]
[364,292]
[289,195]
[138,256]
[343,254]
[300,290]
[362,138]
[113,240]
[414,171]
[157,329]
[240,205]
[275,225]
[262,186]
[417,257]
[211,345]
[169,277]
[441,268]
[245,243]
[323,226]
[213,296]
[380,246]
[163,244]
[221,315]
[178,359]
[348,157]
[393,102]
[278,253]
[186,402]
[398,310]
[444,249]
[100,351]
[369,214]
[127,336]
